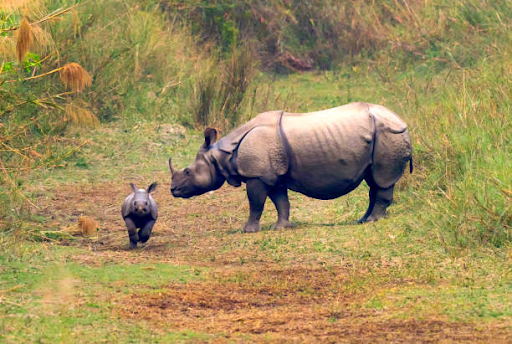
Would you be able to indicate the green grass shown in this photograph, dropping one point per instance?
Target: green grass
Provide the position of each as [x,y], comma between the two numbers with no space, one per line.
[444,252]
[48,297]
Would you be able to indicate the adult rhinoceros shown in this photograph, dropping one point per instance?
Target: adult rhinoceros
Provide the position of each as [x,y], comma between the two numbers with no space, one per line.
[323,154]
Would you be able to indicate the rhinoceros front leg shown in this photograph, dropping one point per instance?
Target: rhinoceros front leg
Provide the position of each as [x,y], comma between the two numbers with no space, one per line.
[257,192]
[145,232]
[132,232]
[279,196]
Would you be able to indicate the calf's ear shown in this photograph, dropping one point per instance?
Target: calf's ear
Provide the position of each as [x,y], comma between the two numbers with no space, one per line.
[152,187]
[210,136]
[134,188]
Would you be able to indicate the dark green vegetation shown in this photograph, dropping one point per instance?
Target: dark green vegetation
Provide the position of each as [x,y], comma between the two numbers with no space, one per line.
[438,267]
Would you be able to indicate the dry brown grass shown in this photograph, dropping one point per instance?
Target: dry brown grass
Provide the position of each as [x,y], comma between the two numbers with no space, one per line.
[42,39]
[26,6]
[7,48]
[25,39]
[75,76]
[290,305]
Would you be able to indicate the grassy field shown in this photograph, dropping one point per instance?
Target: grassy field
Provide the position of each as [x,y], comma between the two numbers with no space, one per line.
[438,268]
[414,276]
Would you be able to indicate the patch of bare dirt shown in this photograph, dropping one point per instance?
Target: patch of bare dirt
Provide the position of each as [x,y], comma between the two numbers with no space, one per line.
[186,230]
[290,306]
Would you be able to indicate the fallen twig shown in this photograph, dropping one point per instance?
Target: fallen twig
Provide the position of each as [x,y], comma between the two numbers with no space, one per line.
[12,289]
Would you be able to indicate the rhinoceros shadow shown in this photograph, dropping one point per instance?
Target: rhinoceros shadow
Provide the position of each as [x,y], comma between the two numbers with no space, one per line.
[299,225]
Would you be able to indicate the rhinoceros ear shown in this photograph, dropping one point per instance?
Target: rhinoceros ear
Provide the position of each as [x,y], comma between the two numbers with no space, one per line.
[210,136]
[152,187]
[134,188]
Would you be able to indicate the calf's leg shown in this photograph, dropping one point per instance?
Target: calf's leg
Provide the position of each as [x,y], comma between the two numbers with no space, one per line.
[145,232]
[132,232]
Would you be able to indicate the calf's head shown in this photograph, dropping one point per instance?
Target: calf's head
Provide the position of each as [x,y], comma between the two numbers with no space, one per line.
[201,175]
[141,204]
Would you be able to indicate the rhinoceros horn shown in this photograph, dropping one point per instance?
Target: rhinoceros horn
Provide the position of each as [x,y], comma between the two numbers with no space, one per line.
[173,170]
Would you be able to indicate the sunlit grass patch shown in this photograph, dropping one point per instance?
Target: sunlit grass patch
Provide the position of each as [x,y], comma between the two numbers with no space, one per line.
[457,303]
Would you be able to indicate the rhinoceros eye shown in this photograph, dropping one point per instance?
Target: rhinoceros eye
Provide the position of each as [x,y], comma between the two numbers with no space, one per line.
[187,172]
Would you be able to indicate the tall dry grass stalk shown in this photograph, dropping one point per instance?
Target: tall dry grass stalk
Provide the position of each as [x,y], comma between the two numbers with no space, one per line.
[75,76]
[26,6]
[25,39]
[42,39]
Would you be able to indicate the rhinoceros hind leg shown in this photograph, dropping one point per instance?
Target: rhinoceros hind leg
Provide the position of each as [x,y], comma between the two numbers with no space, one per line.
[372,195]
[257,192]
[279,196]
[383,198]
[380,199]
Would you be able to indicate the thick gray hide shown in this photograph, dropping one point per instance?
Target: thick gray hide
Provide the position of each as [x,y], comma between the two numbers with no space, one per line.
[139,210]
[329,150]
[323,154]
[262,154]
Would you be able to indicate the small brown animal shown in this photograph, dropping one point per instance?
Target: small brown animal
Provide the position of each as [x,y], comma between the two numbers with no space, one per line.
[88,226]
[139,211]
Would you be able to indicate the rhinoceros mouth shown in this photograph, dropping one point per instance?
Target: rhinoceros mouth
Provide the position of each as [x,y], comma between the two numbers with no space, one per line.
[178,192]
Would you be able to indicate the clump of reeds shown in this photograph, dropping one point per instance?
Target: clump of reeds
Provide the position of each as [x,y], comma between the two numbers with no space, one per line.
[77,113]
[25,39]
[207,91]
[238,75]
[75,76]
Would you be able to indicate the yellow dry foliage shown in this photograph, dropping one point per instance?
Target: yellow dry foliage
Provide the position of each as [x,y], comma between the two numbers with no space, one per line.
[75,76]
[42,39]
[7,48]
[77,113]
[25,39]
[88,226]
[25,6]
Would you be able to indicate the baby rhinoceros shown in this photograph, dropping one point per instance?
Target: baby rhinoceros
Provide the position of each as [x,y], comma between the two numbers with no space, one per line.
[139,211]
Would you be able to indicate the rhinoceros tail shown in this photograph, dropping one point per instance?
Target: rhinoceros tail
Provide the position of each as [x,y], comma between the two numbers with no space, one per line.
[410,165]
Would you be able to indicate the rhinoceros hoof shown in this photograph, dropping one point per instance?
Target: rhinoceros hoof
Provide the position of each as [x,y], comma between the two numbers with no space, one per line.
[282,224]
[252,228]
[132,246]
[374,218]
